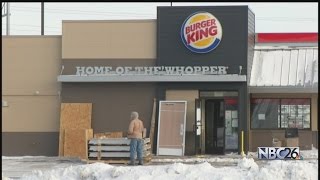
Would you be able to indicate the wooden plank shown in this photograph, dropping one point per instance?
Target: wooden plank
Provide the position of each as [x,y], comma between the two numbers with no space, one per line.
[115,154]
[115,148]
[61,142]
[153,121]
[114,141]
[109,161]
[116,161]
[89,135]
[76,142]
[109,135]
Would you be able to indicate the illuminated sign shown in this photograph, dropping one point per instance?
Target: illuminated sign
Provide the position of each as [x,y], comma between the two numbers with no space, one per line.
[201,32]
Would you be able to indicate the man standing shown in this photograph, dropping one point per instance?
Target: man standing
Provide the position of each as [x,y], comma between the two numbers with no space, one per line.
[135,134]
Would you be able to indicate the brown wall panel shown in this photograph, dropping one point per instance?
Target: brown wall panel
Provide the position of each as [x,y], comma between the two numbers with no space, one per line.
[112,103]
[30,143]
[109,39]
[31,64]
[31,114]
[315,139]
[260,138]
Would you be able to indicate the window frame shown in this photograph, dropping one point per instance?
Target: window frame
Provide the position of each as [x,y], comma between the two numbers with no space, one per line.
[280,100]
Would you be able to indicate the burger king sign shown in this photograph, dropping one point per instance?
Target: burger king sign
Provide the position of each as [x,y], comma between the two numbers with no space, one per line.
[201,32]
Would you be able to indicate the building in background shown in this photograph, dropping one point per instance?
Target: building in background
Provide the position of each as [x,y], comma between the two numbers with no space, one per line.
[214,83]
[284,88]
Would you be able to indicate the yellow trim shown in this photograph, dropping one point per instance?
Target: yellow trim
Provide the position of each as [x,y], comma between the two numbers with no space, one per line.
[242,152]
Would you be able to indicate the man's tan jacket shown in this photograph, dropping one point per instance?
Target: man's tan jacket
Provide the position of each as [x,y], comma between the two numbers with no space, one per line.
[135,129]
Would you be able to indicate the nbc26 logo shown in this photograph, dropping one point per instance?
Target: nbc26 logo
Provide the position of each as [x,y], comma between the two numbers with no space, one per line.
[201,32]
[279,153]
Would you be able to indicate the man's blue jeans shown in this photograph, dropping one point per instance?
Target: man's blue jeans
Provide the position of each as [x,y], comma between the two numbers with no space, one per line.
[136,146]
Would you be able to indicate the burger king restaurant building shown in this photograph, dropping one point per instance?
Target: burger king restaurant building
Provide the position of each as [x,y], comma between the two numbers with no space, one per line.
[192,63]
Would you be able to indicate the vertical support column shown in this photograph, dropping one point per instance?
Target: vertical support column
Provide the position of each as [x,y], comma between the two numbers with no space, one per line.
[243,118]
[42,18]
[8,18]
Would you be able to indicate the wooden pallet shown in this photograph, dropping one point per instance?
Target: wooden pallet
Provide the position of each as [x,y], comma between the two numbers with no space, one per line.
[108,161]
[115,161]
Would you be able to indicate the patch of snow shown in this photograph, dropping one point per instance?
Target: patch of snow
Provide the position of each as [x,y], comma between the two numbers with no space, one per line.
[246,169]
[21,157]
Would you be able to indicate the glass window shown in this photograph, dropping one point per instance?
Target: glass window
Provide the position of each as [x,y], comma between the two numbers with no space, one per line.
[280,113]
[231,123]
[296,113]
[265,113]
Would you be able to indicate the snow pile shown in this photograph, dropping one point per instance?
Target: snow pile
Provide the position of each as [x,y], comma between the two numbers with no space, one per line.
[5,178]
[248,164]
[247,169]
[291,169]
[309,153]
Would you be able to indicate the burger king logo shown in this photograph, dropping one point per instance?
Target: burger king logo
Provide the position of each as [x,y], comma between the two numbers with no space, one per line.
[201,32]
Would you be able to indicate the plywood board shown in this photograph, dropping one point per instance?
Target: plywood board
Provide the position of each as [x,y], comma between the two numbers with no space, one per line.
[76,142]
[75,115]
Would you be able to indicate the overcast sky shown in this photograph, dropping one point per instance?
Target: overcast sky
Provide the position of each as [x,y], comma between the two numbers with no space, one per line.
[270,17]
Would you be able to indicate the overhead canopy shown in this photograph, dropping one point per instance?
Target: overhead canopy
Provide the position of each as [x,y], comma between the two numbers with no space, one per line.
[284,70]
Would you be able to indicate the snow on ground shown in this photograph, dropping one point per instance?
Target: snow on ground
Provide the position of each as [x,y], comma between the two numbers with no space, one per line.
[246,168]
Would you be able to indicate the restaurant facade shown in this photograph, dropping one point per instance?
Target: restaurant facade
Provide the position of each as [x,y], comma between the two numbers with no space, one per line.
[194,65]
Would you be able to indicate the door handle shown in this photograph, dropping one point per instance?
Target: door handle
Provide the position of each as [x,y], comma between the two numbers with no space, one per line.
[181,129]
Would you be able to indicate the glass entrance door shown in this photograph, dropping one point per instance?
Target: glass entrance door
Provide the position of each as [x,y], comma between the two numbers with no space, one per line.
[215,126]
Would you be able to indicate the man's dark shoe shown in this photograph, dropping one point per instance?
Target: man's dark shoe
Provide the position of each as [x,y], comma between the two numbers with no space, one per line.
[131,164]
[140,163]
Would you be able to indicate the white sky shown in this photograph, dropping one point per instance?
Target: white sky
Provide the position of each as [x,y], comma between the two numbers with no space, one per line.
[270,17]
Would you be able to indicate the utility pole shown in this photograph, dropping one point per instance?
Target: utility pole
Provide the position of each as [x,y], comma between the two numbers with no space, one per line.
[42,18]
[6,13]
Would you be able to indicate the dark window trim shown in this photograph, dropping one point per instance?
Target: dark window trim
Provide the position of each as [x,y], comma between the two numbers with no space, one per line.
[251,128]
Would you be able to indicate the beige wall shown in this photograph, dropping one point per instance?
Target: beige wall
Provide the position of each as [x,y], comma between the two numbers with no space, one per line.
[30,66]
[120,39]
[31,114]
[189,96]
